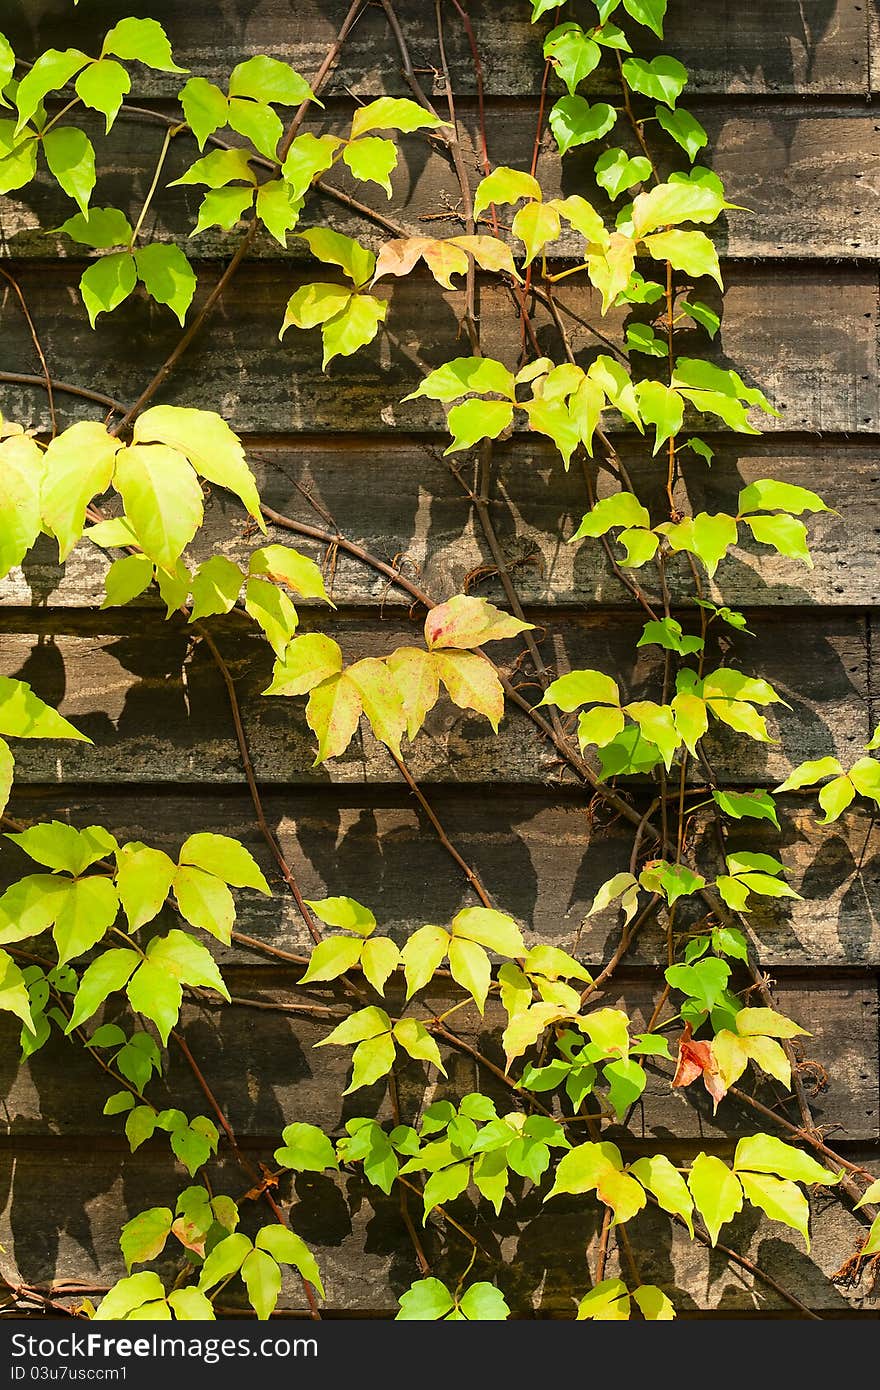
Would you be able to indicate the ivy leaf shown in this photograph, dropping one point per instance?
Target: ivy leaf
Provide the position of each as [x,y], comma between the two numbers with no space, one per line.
[475,420]
[278,208]
[463,375]
[143,880]
[269,80]
[105,283]
[393,113]
[427,1300]
[332,957]
[217,169]
[471,682]
[608,1301]
[308,157]
[143,1238]
[469,966]
[21,473]
[667,633]
[287,1248]
[764,1153]
[662,78]
[205,901]
[536,224]
[766,494]
[467,622]
[663,1181]
[144,40]
[344,913]
[716,1192]
[258,123]
[581,1169]
[308,661]
[685,130]
[102,86]
[572,54]
[224,1260]
[651,13]
[269,606]
[126,578]
[333,713]
[109,973]
[262,1278]
[421,955]
[226,858]
[313,305]
[24,715]
[785,534]
[372,160]
[417,676]
[623,509]
[581,688]
[162,498]
[380,700]
[288,566]
[306,1149]
[653,1303]
[616,171]
[14,997]
[60,847]
[51,71]
[662,407]
[756,805]
[781,1200]
[167,276]
[353,327]
[626,1082]
[157,995]
[574,121]
[415,1039]
[691,252]
[215,587]
[484,1303]
[129,1294]
[223,207]
[205,108]
[78,465]
[87,910]
[213,449]
[332,247]
[379,959]
[186,960]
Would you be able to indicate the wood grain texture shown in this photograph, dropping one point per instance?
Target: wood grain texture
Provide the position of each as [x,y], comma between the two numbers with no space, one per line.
[366,1260]
[815,47]
[809,339]
[805,178]
[157,711]
[399,499]
[539,853]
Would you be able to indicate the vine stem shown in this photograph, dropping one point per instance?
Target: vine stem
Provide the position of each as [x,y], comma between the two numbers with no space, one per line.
[46,379]
[469,873]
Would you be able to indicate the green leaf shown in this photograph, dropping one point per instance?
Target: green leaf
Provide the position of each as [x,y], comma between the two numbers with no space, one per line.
[308,661]
[157,995]
[118,1103]
[781,1200]
[484,1303]
[393,113]
[262,1278]
[306,1149]
[705,981]
[332,957]
[716,1192]
[616,171]
[128,1295]
[257,123]
[217,169]
[651,13]
[14,996]
[144,40]
[578,688]
[51,71]
[353,327]
[332,247]
[78,465]
[691,252]
[865,777]
[755,805]
[288,566]
[186,960]
[372,160]
[7,65]
[421,955]
[269,606]
[474,420]
[21,474]
[572,55]
[653,1303]
[344,913]
[162,499]
[7,770]
[143,880]
[105,283]
[287,1248]
[29,906]
[308,157]
[536,224]
[379,958]
[707,536]
[415,1039]
[427,1300]
[469,966]
[206,902]
[640,337]
[626,1082]
[71,159]
[766,494]
[664,1181]
[60,846]
[278,208]
[269,80]
[581,1169]
[224,1260]
[18,160]
[189,1305]
[685,130]
[784,533]
[109,973]
[622,509]
[126,578]
[215,587]
[88,909]
[667,633]
[764,1153]
[607,1301]
[662,407]
[167,276]
[204,107]
[574,121]
[103,85]
[662,78]
[224,208]
[213,449]
[463,375]
[143,1238]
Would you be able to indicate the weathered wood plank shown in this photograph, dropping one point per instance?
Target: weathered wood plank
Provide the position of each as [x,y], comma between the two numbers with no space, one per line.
[367,1262]
[806,175]
[262,1067]
[400,499]
[157,709]
[814,47]
[537,854]
[809,339]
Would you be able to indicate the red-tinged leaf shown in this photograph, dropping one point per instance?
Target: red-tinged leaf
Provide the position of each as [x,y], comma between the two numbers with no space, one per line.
[333,712]
[380,699]
[488,252]
[466,622]
[400,256]
[472,683]
[443,258]
[697,1059]
[415,674]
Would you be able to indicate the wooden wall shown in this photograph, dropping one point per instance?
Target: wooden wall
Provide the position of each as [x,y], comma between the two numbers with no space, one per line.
[784,90]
